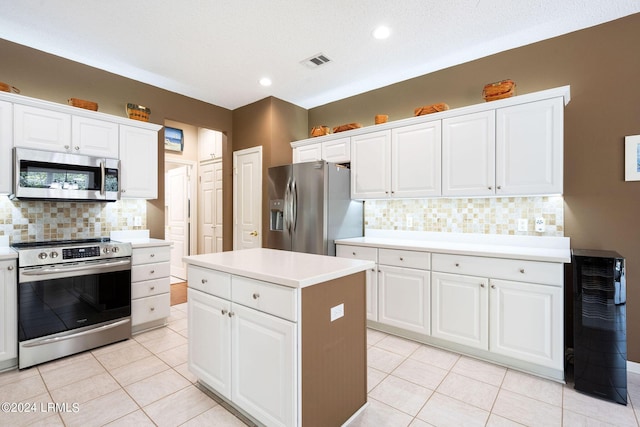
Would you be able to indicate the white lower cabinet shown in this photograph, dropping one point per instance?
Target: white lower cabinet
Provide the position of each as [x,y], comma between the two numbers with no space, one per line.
[526,322]
[404,296]
[6,138]
[150,287]
[8,314]
[460,309]
[367,254]
[244,354]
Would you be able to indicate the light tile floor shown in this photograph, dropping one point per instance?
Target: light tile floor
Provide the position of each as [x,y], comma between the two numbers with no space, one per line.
[145,381]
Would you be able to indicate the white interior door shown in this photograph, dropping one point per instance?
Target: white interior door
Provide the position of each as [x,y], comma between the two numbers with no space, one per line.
[247,198]
[210,212]
[177,184]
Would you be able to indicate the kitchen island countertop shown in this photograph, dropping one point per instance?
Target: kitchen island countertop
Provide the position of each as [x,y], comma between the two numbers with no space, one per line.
[293,269]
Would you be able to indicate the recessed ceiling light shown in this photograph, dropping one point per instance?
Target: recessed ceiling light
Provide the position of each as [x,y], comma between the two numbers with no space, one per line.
[381,32]
[265,81]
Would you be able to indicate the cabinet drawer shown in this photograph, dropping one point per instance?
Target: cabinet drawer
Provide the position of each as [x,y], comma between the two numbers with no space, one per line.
[267,297]
[210,281]
[357,252]
[549,273]
[151,255]
[403,258]
[148,288]
[150,271]
[148,309]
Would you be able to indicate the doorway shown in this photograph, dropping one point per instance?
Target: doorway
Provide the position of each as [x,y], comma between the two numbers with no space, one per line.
[247,198]
[180,200]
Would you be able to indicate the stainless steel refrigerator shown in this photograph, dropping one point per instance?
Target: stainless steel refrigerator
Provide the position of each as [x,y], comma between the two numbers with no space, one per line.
[310,207]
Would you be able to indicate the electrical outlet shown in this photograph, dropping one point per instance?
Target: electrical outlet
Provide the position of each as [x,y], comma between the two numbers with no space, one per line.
[337,312]
[540,224]
[137,221]
[523,224]
[409,221]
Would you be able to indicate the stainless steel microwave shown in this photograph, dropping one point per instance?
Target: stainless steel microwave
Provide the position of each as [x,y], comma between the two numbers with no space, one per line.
[60,176]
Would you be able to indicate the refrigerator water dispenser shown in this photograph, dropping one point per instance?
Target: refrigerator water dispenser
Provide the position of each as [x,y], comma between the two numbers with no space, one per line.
[276,219]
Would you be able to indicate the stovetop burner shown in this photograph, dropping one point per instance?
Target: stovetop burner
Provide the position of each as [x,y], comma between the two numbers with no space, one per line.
[53,243]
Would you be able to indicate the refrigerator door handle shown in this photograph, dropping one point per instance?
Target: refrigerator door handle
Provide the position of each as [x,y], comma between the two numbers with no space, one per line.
[287,199]
[294,204]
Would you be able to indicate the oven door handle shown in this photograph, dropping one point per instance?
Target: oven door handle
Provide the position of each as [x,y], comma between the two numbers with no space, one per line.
[87,269]
[103,178]
[76,335]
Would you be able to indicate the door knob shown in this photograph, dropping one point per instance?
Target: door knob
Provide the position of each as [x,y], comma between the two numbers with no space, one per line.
[254,233]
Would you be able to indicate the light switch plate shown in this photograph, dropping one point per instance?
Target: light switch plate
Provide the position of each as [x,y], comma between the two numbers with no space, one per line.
[337,312]
[540,224]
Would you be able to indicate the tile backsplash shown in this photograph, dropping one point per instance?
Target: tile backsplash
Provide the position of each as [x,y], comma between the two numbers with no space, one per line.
[479,215]
[28,221]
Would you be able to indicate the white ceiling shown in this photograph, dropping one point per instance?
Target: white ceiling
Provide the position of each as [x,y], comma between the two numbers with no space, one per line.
[216,51]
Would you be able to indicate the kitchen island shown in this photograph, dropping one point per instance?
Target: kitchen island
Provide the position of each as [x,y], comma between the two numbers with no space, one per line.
[280,335]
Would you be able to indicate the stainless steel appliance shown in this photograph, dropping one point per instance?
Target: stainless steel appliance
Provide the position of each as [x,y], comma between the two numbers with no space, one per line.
[61,176]
[72,296]
[310,207]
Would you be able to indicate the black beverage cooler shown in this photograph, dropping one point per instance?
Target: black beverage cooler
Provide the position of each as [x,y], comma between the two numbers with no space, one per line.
[599,324]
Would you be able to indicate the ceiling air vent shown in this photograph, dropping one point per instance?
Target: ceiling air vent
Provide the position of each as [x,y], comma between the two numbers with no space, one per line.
[316,60]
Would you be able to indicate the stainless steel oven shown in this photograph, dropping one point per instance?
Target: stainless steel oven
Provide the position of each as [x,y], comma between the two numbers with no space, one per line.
[72,296]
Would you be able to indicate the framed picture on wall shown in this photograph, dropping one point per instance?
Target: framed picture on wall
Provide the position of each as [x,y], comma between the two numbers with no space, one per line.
[173,139]
[632,158]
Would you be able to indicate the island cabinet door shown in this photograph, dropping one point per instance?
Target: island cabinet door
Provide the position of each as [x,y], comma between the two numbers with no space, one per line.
[264,366]
[404,296]
[210,341]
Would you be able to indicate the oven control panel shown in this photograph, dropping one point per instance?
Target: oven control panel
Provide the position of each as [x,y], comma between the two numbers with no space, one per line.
[85,252]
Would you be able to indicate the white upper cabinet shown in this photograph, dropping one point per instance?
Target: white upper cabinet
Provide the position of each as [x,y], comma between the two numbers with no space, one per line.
[468,155]
[93,137]
[371,165]
[6,136]
[138,162]
[415,156]
[209,144]
[337,150]
[529,148]
[40,128]
[307,153]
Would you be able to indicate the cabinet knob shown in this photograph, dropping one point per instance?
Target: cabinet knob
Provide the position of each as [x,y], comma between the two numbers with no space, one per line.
[256,295]
[76,148]
[482,285]
[152,272]
[493,286]
[123,190]
[152,308]
[231,314]
[457,264]
[10,268]
[152,288]
[354,254]
[490,187]
[224,312]
[499,187]
[204,281]
[522,270]
[66,147]
[373,269]
[152,255]
[401,259]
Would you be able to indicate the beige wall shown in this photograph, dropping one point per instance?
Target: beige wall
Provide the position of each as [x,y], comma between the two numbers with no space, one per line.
[272,124]
[602,65]
[44,76]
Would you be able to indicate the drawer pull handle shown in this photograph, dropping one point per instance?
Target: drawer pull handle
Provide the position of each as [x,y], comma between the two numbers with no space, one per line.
[153,271]
[522,270]
[231,314]
[152,288]
[204,281]
[401,259]
[152,308]
[152,255]
[457,264]
[224,312]
[256,295]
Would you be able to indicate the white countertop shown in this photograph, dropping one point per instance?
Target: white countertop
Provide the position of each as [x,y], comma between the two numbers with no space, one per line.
[138,238]
[6,252]
[549,249]
[293,269]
